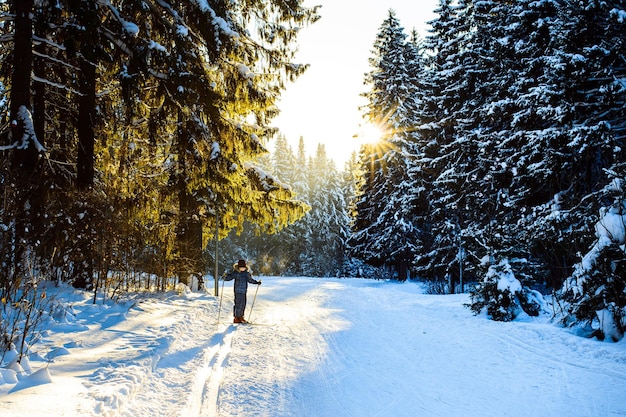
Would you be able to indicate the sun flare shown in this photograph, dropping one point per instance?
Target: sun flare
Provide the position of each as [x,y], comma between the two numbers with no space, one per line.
[369,134]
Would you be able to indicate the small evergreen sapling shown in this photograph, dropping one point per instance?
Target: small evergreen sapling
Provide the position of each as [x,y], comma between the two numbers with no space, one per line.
[503,295]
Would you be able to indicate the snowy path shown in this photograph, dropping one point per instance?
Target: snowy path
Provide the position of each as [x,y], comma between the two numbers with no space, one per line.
[324,347]
[366,348]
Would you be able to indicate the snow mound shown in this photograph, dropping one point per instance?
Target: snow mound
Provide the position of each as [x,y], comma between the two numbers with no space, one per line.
[39,377]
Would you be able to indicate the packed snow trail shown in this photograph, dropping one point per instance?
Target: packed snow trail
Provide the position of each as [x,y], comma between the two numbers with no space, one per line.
[322,348]
[368,348]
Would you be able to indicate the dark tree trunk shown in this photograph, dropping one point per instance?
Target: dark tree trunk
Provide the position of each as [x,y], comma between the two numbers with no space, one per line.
[189,232]
[85,166]
[189,237]
[402,269]
[39,97]
[25,155]
[42,186]
[83,277]
[23,56]
[86,126]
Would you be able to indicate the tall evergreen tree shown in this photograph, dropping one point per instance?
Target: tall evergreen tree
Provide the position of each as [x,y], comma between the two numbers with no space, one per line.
[385,232]
[447,89]
[300,232]
[327,220]
[594,59]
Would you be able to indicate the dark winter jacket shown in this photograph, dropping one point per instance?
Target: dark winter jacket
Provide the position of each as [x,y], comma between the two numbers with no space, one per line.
[241,280]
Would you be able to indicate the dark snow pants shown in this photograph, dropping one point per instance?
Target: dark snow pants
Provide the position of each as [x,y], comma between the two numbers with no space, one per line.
[240,304]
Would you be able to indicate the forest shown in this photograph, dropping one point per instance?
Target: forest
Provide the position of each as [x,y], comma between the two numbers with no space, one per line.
[504,156]
[131,133]
[135,139]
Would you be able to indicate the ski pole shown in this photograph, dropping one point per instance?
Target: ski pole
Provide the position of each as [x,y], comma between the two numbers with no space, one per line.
[252,306]
[219,310]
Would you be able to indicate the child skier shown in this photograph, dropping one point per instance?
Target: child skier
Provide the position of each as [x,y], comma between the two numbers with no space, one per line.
[242,277]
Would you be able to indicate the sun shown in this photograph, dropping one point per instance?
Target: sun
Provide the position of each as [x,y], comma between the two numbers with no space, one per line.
[370,133]
[374,140]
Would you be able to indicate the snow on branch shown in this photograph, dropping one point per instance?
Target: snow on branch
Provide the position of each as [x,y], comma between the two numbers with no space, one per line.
[53,84]
[26,119]
[215,151]
[610,229]
[130,27]
[55,60]
[619,14]
[244,71]
[218,21]
[267,181]
[118,42]
[8,147]
[49,43]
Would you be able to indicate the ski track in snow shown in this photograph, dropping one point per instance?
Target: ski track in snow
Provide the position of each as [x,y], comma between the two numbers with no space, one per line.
[285,344]
[328,347]
[163,364]
[212,375]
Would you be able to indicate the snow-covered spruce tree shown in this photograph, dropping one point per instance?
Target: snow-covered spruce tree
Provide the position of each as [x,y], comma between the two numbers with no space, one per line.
[449,87]
[223,109]
[315,244]
[290,244]
[507,88]
[21,211]
[367,205]
[328,218]
[299,233]
[502,295]
[389,237]
[273,254]
[505,40]
[556,143]
[563,137]
[376,183]
[595,294]
[72,41]
[478,194]
[522,126]
[352,267]
[276,251]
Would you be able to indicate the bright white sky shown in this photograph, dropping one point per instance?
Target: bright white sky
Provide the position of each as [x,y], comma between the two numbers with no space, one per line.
[323,104]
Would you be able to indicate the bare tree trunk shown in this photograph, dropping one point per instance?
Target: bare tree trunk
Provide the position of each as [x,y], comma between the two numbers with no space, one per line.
[189,232]
[86,124]
[23,57]
[25,155]
[40,188]
[86,138]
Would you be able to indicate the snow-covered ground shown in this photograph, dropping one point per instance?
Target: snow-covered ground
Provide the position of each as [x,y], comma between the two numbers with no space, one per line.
[319,347]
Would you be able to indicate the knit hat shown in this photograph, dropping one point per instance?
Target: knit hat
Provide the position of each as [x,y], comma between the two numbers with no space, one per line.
[241,264]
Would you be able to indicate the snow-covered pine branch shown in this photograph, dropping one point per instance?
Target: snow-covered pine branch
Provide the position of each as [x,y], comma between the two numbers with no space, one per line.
[55,85]
[24,116]
[129,27]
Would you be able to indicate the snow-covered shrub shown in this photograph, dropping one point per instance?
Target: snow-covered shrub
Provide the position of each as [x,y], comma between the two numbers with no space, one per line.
[437,287]
[357,268]
[21,316]
[531,301]
[503,295]
[596,291]
[500,304]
